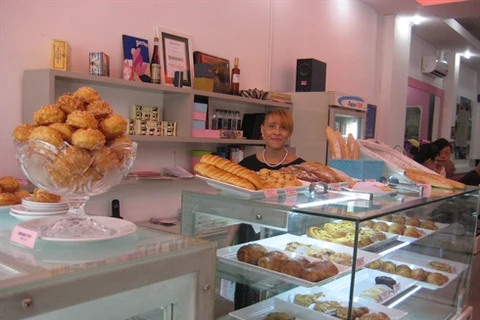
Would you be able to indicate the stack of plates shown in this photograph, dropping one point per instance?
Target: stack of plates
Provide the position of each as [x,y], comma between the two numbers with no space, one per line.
[30,209]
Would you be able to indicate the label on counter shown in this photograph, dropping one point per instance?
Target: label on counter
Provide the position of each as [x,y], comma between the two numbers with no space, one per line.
[24,237]
[335,186]
[360,261]
[290,191]
[270,193]
[396,287]
[427,189]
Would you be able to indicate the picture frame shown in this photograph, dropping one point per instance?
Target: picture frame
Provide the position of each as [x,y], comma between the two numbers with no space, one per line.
[413,122]
[221,79]
[177,55]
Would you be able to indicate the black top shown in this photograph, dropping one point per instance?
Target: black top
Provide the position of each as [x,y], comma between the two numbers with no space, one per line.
[472,178]
[252,163]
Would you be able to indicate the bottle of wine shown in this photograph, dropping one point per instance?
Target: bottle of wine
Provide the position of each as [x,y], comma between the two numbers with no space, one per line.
[235,81]
[155,63]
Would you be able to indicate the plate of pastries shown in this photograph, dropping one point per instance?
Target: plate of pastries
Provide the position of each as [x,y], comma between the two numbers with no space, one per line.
[274,309]
[11,193]
[426,277]
[409,221]
[281,265]
[231,177]
[424,261]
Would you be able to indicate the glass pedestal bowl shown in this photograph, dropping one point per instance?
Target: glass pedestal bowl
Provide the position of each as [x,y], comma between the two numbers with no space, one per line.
[76,174]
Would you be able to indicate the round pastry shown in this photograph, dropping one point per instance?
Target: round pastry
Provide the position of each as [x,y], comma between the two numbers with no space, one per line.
[399,219]
[113,126]
[82,120]
[292,268]
[367,224]
[103,160]
[326,306]
[317,233]
[40,195]
[68,103]
[319,271]
[8,199]
[279,316]
[389,282]
[388,267]
[437,279]
[86,95]
[346,225]
[46,134]
[273,260]
[440,266]
[20,194]
[99,109]
[412,232]
[344,241]
[322,254]
[72,161]
[341,258]
[22,132]
[334,230]
[380,226]
[404,271]
[414,222]
[419,274]
[396,228]
[90,139]
[430,225]
[386,218]
[342,312]
[374,264]
[118,140]
[251,253]
[64,129]
[9,184]
[307,299]
[375,316]
[380,235]
[48,114]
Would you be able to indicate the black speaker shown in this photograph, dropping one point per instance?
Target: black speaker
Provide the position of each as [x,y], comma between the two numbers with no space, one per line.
[311,75]
[478,98]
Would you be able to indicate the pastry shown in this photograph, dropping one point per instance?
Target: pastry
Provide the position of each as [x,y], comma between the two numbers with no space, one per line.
[388,267]
[396,228]
[412,232]
[279,316]
[334,230]
[86,95]
[307,299]
[113,125]
[433,179]
[65,130]
[292,268]
[321,171]
[90,139]
[48,114]
[440,266]
[300,173]
[343,145]
[292,246]
[353,147]
[437,279]
[21,194]
[375,293]
[368,224]
[276,178]
[68,103]
[40,195]
[326,306]
[404,271]
[430,225]
[318,233]
[419,274]
[333,143]
[251,253]
[322,254]
[319,271]
[380,226]
[374,264]
[47,134]
[399,219]
[8,199]
[99,109]
[414,222]
[9,184]
[22,132]
[341,258]
[342,312]
[104,160]
[375,316]
[82,120]
[215,173]
[273,260]
[387,218]
[389,282]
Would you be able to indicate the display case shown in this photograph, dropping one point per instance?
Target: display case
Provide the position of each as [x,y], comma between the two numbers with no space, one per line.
[388,255]
[126,278]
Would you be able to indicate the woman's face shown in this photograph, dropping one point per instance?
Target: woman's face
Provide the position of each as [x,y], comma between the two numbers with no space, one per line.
[430,164]
[444,154]
[275,134]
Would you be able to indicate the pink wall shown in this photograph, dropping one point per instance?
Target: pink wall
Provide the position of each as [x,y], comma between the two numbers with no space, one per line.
[416,97]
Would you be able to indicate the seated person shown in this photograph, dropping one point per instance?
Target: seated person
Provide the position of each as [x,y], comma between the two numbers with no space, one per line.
[473,177]
[444,165]
[425,154]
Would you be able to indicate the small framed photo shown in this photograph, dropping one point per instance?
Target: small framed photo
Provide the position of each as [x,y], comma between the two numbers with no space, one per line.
[177,55]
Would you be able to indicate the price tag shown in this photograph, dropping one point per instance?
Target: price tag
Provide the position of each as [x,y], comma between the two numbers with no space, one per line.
[270,193]
[360,261]
[427,189]
[454,269]
[396,287]
[24,237]
[335,186]
[384,295]
[290,202]
[290,191]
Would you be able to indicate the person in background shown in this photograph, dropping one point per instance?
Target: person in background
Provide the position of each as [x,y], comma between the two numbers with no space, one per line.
[444,165]
[425,154]
[277,129]
[473,177]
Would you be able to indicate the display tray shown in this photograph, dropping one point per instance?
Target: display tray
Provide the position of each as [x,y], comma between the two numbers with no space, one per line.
[390,237]
[422,261]
[422,284]
[289,296]
[280,242]
[364,280]
[245,193]
[424,233]
[374,188]
[228,255]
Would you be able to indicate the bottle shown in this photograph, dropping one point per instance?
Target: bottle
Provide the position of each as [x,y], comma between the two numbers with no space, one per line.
[225,120]
[220,118]
[214,120]
[238,120]
[155,63]
[230,120]
[235,82]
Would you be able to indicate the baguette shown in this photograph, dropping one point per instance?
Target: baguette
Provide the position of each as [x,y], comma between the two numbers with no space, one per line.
[215,173]
[343,145]
[433,179]
[342,176]
[233,168]
[333,143]
[353,147]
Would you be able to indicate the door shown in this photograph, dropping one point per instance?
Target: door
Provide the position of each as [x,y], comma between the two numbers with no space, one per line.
[348,121]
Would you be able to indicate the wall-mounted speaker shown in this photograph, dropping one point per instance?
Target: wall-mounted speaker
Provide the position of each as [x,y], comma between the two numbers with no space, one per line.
[311,75]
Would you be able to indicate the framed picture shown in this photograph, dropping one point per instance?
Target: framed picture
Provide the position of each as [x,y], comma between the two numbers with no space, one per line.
[413,122]
[176,50]
[221,80]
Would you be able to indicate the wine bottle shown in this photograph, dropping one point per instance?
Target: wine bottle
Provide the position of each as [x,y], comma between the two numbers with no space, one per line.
[235,81]
[155,63]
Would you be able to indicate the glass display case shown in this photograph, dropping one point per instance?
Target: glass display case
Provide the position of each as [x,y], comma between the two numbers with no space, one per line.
[126,278]
[321,254]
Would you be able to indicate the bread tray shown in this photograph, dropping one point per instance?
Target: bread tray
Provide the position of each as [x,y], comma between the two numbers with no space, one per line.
[422,261]
[424,233]
[228,256]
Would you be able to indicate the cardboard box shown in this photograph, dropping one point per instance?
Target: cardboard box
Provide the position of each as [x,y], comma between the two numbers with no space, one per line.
[138,112]
[99,64]
[205,84]
[204,70]
[60,55]
[198,124]
[168,128]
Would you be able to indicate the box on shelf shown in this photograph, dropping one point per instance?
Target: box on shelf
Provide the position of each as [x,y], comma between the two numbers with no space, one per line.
[60,55]
[231,134]
[198,124]
[138,112]
[99,64]
[360,169]
[204,70]
[204,84]
[205,133]
[168,128]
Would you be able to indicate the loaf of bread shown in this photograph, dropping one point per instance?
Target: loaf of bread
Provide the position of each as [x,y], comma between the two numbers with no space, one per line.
[333,143]
[433,179]
[343,145]
[273,260]
[251,253]
[319,271]
[215,173]
[323,172]
[233,168]
[353,147]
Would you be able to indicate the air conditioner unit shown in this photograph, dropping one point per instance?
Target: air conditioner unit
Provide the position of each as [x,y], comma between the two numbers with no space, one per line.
[431,65]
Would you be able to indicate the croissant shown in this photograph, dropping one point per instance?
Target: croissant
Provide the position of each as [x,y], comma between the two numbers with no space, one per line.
[375,264]
[388,267]
[319,271]
[233,168]
[380,226]
[272,260]
[412,232]
[404,271]
[215,173]
[399,219]
[292,268]
[430,225]
[251,253]
[414,222]
[437,279]
[419,274]
[396,228]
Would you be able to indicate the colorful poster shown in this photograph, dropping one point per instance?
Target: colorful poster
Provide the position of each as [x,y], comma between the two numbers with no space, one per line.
[135,59]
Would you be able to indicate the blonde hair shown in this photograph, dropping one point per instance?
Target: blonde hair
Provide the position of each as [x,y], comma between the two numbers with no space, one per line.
[286,118]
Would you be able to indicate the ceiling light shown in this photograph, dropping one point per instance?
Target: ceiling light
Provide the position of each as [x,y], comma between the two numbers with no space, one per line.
[467,54]
[417,20]
[437,2]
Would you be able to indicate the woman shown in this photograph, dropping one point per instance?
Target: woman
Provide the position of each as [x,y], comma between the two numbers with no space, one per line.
[444,165]
[425,154]
[277,129]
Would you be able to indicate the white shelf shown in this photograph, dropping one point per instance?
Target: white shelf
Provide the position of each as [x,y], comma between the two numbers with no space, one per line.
[140,138]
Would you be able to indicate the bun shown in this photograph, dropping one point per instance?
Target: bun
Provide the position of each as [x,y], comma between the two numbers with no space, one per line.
[319,271]
[419,274]
[233,168]
[437,279]
[251,253]
[412,232]
[388,267]
[273,260]
[215,173]
[404,271]
[396,228]
[333,143]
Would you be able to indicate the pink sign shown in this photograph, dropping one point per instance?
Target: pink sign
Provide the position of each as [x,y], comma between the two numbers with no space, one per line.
[270,193]
[427,189]
[24,237]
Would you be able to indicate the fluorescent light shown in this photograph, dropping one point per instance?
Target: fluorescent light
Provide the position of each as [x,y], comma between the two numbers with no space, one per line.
[467,54]
[396,302]
[417,20]
[437,2]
